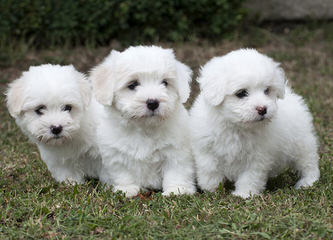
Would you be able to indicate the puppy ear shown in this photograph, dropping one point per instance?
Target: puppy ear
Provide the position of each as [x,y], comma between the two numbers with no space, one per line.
[15,97]
[281,82]
[212,90]
[85,90]
[101,80]
[184,75]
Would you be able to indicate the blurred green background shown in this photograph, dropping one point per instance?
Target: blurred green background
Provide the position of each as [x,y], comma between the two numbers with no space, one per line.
[52,22]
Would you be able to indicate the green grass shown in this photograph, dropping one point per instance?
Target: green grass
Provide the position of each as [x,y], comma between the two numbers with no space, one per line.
[33,205]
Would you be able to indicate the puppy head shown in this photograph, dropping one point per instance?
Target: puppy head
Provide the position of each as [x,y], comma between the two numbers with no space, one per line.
[244,85]
[142,82]
[48,101]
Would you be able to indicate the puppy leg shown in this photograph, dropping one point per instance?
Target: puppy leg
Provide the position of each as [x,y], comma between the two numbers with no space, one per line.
[307,166]
[120,177]
[67,174]
[178,174]
[251,182]
[208,174]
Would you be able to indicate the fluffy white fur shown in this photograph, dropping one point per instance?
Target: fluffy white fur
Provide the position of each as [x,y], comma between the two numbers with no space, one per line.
[231,140]
[141,148]
[49,96]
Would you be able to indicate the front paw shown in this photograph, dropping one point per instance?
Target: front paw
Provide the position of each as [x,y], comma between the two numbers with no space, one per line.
[129,190]
[74,181]
[70,179]
[244,194]
[241,194]
[209,183]
[209,188]
[178,190]
[305,182]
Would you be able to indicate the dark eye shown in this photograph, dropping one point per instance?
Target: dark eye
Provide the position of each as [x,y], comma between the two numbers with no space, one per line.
[165,82]
[39,110]
[242,93]
[267,90]
[67,108]
[133,85]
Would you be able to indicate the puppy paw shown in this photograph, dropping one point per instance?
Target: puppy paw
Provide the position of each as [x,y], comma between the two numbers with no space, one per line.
[209,183]
[67,176]
[305,182]
[208,188]
[178,190]
[69,179]
[129,190]
[74,181]
[244,194]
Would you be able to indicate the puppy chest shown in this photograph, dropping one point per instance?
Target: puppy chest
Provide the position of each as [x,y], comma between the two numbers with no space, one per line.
[148,175]
[137,147]
[236,151]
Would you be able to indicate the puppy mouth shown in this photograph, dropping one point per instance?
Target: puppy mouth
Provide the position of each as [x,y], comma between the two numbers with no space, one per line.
[152,114]
[259,120]
[262,119]
[150,117]
[52,140]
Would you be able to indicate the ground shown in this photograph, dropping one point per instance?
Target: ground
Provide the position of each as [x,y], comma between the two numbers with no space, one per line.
[33,205]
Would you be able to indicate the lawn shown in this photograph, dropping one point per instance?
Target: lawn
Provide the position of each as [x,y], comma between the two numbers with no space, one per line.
[34,206]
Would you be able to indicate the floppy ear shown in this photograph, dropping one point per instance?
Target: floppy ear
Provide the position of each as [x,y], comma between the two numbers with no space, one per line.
[15,97]
[212,90]
[101,80]
[282,82]
[85,89]
[184,75]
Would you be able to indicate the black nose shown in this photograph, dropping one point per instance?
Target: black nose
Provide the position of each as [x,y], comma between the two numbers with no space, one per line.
[261,110]
[56,129]
[152,104]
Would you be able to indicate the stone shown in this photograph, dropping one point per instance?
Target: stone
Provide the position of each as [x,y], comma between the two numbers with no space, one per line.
[290,9]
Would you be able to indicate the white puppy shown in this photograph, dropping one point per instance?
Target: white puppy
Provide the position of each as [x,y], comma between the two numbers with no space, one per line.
[248,125]
[143,137]
[52,105]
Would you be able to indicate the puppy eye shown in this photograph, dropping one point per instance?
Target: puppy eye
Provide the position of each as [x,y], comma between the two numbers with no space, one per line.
[67,108]
[133,85]
[165,82]
[242,93]
[267,90]
[39,110]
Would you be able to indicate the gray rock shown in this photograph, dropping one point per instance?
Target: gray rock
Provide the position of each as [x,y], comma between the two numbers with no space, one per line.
[290,9]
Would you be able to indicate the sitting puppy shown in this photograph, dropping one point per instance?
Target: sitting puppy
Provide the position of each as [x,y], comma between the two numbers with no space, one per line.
[51,104]
[247,125]
[143,137]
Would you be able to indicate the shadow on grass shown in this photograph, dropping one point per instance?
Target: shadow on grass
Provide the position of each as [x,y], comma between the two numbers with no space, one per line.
[284,180]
